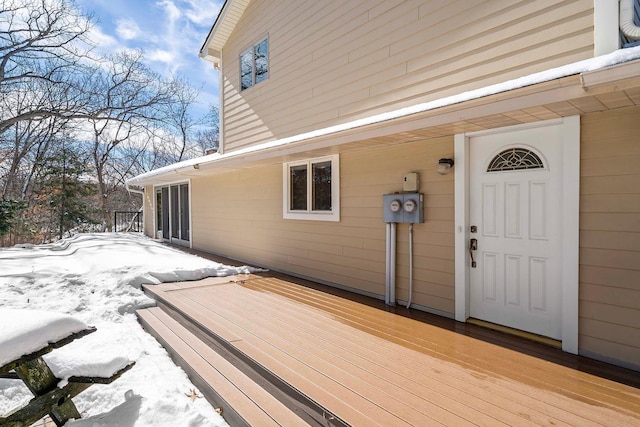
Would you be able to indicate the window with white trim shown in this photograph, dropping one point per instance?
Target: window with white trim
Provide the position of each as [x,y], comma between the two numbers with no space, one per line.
[254,65]
[311,189]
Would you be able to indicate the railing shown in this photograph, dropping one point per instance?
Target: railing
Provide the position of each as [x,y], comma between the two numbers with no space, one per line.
[127,221]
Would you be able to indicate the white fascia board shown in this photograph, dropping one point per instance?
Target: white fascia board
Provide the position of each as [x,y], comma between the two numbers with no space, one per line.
[204,50]
[227,19]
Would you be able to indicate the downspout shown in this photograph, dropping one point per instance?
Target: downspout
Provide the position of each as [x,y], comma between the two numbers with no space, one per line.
[627,25]
[134,190]
[220,106]
[142,193]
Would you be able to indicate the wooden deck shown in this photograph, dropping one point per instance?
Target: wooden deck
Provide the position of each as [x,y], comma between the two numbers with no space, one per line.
[365,366]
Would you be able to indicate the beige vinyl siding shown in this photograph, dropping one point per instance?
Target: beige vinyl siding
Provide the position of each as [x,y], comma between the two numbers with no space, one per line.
[244,221]
[610,235]
[239,214]
[336,61]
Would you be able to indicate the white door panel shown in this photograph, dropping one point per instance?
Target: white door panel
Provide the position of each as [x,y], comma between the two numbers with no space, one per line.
[517,212]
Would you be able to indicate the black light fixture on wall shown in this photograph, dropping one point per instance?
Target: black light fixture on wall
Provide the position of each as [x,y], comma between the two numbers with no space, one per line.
[444,166]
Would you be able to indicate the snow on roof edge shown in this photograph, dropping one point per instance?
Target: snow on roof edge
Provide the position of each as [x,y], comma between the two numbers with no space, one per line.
[592,64]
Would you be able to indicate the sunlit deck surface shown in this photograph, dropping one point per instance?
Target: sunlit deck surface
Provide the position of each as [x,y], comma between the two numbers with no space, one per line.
[366,365]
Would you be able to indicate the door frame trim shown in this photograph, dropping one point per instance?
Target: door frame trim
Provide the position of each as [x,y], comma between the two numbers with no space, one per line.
[570,129]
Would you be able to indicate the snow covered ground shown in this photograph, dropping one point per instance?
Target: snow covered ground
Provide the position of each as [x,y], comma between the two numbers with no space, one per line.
[96,278]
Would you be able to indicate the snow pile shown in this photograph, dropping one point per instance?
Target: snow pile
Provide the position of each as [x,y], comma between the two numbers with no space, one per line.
[96,278]
[99,362]
[26,331]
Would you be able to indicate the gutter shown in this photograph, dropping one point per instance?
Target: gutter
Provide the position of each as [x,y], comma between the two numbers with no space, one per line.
[134,190]
[627,24]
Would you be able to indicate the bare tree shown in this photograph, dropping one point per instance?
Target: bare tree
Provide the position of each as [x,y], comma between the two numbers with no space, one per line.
[208,137]
[128,98]
[23,143]
[126,118]
[43,46]
[179,117]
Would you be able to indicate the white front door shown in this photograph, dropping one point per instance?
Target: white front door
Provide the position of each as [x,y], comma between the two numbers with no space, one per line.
[515,216]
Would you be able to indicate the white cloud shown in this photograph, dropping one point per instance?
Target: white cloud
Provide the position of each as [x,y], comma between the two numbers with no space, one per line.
[101,38]
[202,12]
[170,32]
[160,55]
[172,11]
[127,29]
[173,45]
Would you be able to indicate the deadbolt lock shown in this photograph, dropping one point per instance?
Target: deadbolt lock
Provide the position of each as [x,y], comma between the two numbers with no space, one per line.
[474,228]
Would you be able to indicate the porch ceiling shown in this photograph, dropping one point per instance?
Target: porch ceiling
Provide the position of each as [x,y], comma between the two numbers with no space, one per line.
[602,90]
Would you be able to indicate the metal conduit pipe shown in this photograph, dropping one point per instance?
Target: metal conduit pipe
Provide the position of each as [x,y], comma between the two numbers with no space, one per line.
[392,261]
[387,267]
[627,24]
[410,264]
[390,267]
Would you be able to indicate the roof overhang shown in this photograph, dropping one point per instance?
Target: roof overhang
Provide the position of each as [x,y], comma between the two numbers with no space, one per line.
[225,23]
[598,84]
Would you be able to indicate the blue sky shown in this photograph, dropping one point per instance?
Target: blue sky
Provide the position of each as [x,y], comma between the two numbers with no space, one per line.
[170,32]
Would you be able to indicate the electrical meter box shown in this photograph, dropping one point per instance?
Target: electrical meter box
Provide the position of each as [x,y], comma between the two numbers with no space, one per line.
[411,182]
[403,208]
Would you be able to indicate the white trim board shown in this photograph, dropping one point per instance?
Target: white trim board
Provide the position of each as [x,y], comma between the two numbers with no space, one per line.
[570,128]
[311,215]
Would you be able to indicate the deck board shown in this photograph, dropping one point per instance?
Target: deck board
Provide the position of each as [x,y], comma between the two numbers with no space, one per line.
[358,381]
[253,402]
[404,371]
[368,365]
[448,380]
[372,367]
[258,396]
[321,388]
[435,342]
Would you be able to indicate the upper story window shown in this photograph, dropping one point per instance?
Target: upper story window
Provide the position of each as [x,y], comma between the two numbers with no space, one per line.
[254,65]
[311,189]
